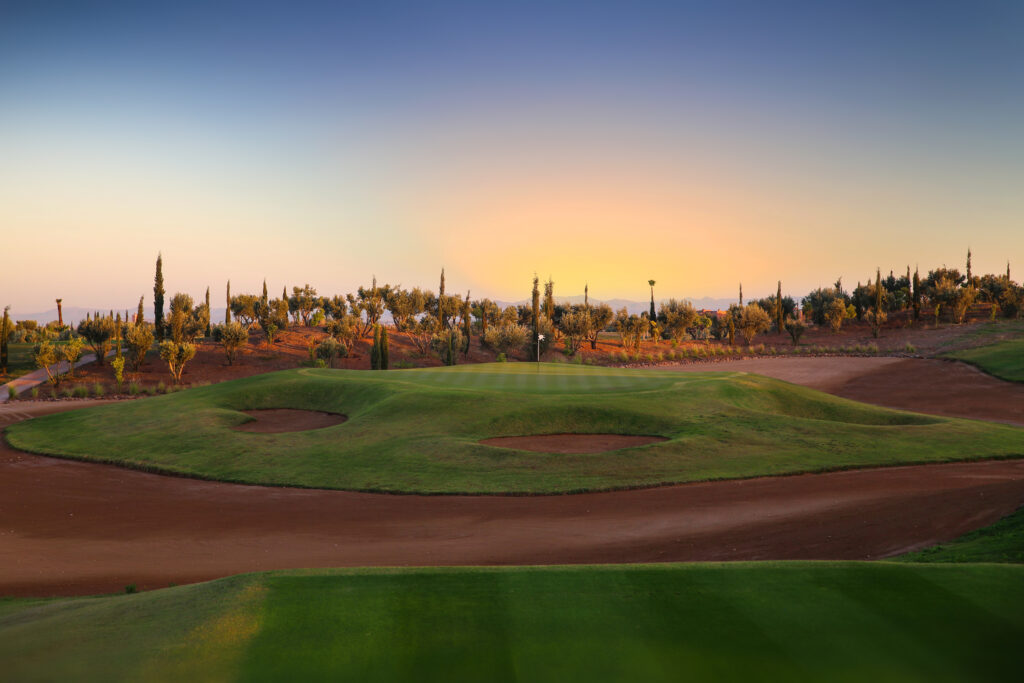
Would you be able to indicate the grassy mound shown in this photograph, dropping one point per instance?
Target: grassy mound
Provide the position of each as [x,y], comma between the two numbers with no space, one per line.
[419,430]
[747,621]
[1004,359]
[1000,542]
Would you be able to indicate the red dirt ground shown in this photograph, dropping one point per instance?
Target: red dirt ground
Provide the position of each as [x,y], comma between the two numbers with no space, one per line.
[571,443]
[278,420]
[72,528]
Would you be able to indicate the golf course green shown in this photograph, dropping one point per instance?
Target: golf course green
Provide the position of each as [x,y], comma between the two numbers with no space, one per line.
[419,431]
[813,621]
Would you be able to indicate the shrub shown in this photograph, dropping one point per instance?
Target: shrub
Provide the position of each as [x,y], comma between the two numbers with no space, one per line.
[501,358]
[81,391]
[231,336]
[160,388]
[35,392]
[98,331]
[118,365]
[97,390]
[507,337]
[139,338]
[328,349]
[176,355]
[134,389]
[67,392]
[12,393]
[910,348]
[45,356]
[72,352]
[130,588]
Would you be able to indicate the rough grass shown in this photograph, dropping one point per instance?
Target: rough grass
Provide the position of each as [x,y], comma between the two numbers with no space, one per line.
[418,430]
[1004,359]
[842,621]
[1000,542]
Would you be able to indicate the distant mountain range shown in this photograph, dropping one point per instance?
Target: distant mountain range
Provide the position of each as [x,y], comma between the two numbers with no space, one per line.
[73,314]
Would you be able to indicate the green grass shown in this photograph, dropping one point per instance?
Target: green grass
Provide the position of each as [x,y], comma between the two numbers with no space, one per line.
[1004,359]
[799,621]
[1000,542]
[418,430]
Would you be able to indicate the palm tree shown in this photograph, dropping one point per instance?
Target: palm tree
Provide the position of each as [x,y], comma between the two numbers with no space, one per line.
[651,283]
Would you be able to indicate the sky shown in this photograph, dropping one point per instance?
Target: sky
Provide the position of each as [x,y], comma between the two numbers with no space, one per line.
[699,144]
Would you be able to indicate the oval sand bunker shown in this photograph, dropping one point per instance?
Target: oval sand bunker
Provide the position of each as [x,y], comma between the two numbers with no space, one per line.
[276,420]
[571,443]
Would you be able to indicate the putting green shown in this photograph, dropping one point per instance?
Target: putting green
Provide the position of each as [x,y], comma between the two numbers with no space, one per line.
[799,621]
[419,430]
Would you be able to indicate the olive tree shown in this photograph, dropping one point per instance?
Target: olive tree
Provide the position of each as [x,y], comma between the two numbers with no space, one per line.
[139,338]
[231,336]
[679,317]
[98,331]
[176,355]
[575,327]
[45,356]
[506,337]
[72,352]
[753,322]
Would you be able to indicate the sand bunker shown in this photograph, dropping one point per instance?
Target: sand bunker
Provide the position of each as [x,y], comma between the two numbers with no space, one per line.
[276,420]
[571,443]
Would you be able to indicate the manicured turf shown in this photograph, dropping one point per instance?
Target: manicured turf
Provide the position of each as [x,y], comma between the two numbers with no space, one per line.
[418,430]
[1000,542]
[749,621]
[1004,359]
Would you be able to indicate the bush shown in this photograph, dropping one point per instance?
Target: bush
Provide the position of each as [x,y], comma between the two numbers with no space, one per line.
[160,388]
[12,393]
[139,338]
[34,392]
[328,349]
[81,391]
[45,356]
[98,332]
[118,365]
[796,329]
[134,389]
[506,338]
[97,390]
[231,336]
[501,358]
[176,355]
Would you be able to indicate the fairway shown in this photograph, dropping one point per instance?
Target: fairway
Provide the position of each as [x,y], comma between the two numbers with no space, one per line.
[1004,359]
[419,431]
[745,621]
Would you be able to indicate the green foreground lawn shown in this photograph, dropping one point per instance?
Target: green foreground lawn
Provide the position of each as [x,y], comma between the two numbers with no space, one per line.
[418,430]
[748,621]
[1004,359]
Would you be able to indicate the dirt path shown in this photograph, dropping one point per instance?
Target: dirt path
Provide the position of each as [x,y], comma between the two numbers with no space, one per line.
[77,528]
[926,386]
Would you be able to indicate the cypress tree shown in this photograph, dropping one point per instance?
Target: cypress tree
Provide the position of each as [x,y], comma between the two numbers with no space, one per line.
[384,352]
[653,314]
[117,334]
[969,266]
[549,298]
[778,309]
[467,324]
[227,311]
[158,297]
[3,339]
[140,314]
[208,330]
[536,307]
[265,299]
[442,313]
[916,298]
[741,295]
[375,349]
[586,296]
[878,293]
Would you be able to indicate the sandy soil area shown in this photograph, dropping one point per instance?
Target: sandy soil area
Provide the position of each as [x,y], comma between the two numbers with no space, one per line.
[77,528]
[278,420]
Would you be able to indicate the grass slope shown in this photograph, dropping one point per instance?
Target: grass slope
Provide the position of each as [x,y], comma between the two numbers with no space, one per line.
[1004,359]
[748,621]
[418,430]
[1000,542]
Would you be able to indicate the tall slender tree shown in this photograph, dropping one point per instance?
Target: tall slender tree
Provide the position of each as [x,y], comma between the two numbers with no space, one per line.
[915,296]
[442,309]
[778,309]
[653,315]
[549,298]
[208,311]
[140,314]
[969,279]
[3,339]
[265,299]
[384,350]
[586,295]
[741,295]
[158,297]
[536,307]
[467,324]
[227,311]
[60,313]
